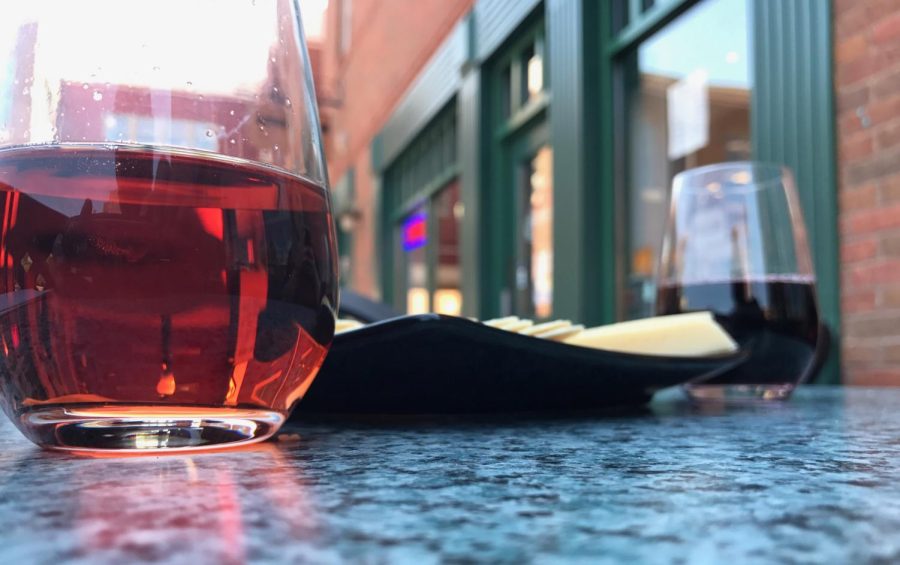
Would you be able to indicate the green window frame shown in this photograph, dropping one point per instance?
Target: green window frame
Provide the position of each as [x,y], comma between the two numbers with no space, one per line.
[343,196]
[411,182]
[516,127]
[790,44]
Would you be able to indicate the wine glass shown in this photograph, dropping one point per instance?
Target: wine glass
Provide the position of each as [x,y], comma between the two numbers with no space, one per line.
[735,244]
[167,254]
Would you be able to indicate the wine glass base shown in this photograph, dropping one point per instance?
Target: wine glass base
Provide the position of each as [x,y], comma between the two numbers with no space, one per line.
[739,393]
[118,429]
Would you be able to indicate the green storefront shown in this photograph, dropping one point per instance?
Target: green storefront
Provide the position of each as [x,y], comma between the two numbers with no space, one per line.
[526,170]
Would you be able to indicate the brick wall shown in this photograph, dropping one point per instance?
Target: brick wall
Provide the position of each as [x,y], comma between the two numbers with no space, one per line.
[867,82]
[389,44]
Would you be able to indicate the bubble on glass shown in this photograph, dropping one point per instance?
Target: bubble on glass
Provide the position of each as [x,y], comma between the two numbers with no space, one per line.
[232,141]
[190,84]
[84,86]
[287,102]
[274,90]
[26,91]
[156,67]
[209,133]
[272,59]
[275,147]
[98,96]
[230,112]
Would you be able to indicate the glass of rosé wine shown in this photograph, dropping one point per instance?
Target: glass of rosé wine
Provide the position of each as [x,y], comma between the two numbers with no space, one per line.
[736,245]
[168,270]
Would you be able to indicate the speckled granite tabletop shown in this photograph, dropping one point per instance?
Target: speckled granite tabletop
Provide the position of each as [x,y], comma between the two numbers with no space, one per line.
[813,480]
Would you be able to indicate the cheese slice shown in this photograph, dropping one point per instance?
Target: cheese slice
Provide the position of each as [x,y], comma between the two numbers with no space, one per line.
[682,335]
[502,323]
[344,325]
[562,334]
[518,326]
[539,329]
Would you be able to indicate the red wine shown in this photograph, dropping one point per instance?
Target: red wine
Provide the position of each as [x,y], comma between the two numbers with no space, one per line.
[774,318]
[131,276]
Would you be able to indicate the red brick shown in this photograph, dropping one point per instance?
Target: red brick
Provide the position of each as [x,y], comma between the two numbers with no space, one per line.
[889,136]
[860,353]
[872,377]
[841,6]
[856,147]
[884,110]
[878,10]
[849,123]
[880,165]
[884,85]
[880,271]
[855,71]
[872,220]
[859,250]
[851,98]
[887,30]
[889,189]
[858,198]
[875,325]
[851,22]
[390,42]
[856,302]
[890,297]
[851,48]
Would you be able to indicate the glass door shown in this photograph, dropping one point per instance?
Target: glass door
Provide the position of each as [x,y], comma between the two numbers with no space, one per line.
[529,286]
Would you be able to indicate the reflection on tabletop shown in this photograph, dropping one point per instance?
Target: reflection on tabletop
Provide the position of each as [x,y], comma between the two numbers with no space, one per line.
[200,508]
[813,479]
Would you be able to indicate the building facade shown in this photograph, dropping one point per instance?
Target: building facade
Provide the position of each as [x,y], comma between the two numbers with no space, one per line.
[497,157]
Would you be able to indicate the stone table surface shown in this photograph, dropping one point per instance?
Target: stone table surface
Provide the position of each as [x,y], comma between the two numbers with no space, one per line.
[816,479]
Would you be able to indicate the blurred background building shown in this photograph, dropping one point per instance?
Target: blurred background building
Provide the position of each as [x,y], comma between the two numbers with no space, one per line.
[494,157]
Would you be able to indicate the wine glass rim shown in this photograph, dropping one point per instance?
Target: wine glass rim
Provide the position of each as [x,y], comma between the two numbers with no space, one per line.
[757,174]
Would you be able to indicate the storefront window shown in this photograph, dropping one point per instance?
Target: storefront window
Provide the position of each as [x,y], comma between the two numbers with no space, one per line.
[534,272]
[414,242]
[429,244]
[447,296]
[689,105]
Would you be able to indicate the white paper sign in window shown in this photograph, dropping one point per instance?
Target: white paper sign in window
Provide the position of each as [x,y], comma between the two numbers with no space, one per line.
[687,103]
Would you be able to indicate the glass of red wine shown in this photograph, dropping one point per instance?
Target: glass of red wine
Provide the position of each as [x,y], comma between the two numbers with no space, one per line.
[167,252]
[736,245]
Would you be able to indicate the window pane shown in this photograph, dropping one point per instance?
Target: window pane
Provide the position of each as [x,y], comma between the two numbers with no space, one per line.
[506,92]
[447,297]
[534,272]
[413,243]
[689,105]
[532,73]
